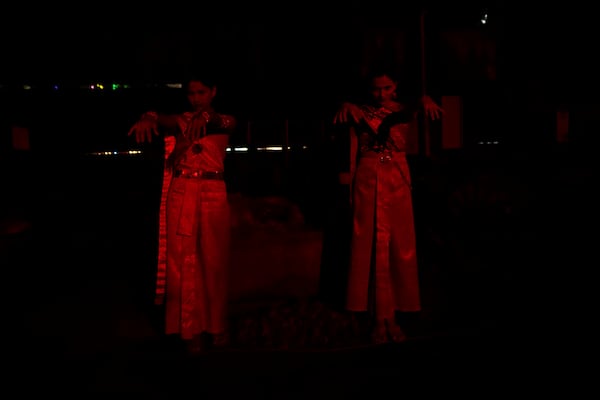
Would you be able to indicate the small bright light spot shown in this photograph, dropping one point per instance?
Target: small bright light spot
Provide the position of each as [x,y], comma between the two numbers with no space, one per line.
[240,149]
[115,153]
[27,87]
[174,85]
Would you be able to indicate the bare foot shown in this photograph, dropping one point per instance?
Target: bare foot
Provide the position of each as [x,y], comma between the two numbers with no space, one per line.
[396,334]
[379,334]
[386,331]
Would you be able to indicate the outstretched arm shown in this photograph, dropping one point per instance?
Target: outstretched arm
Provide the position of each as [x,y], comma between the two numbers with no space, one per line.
[198,124]
[348,112]
[152,124]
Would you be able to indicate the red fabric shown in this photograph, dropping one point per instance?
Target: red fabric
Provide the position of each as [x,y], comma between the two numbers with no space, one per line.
[194,242]
[383,270]
[197,257]
[161,273]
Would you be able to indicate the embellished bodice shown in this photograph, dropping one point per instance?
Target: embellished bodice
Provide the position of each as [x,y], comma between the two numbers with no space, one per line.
[208,152]
[383,130]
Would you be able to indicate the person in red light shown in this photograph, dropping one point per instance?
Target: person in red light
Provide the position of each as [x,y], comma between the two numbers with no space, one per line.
[383,274]
[194,235]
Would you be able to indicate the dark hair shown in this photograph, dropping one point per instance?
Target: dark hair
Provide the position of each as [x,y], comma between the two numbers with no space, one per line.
[205,74]
[382,69]
[206,80]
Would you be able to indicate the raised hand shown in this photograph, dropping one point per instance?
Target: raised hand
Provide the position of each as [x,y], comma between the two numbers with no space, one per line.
[145,128]
[347,111]
[431,109]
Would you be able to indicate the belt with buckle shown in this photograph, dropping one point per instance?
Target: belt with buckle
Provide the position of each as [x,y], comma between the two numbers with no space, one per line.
[185,173]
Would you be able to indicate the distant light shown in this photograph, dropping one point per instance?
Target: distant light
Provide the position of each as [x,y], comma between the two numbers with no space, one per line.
[55,87]
[489,142]
[115,153]
[97,86]
[174,85]
[237,149]
[27,87]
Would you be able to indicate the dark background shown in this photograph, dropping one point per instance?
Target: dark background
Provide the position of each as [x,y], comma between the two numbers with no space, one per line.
[291,54]
[503,233]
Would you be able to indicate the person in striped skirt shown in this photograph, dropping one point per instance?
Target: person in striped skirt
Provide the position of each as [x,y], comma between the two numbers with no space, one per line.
[195,224]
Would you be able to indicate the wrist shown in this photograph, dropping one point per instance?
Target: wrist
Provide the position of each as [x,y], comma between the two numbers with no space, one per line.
[149,116]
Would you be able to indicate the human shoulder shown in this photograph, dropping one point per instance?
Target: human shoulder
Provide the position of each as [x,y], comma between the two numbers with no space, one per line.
[228,117]
[226,121]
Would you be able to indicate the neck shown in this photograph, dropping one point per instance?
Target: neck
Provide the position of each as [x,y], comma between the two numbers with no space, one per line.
[203,109]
